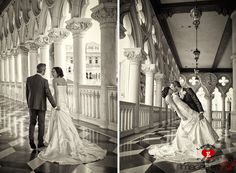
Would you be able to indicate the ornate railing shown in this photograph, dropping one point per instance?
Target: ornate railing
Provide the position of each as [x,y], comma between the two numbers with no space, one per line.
[89,99]
[144,115]
[147,117]
[217,119]
[112,104]
[127,113]
[89,102]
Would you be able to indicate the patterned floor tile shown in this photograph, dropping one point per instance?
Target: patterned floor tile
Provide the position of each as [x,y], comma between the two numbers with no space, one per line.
[17,156]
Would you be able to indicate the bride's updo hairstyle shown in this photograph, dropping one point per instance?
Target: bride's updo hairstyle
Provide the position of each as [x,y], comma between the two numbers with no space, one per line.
[165,92]
[59,71]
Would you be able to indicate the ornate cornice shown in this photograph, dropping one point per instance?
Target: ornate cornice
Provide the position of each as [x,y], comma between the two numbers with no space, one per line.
[57,34]
[133,54]
[78,25]
[42,40]
[105,13]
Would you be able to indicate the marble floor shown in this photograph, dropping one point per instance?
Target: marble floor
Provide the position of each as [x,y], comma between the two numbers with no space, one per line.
[134,157]
[16,155]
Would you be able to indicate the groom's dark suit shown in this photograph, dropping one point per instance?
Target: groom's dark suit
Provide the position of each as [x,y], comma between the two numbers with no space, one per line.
[37,90]
[190,98]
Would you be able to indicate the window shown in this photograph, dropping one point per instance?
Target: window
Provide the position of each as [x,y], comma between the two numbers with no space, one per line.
[96,60]
[90,60]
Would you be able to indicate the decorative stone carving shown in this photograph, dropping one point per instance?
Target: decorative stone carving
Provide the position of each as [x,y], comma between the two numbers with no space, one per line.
[78,25]
[105,13]
[133,54]
[15,52]
[149,68]
[209,80]
[42,40]
[8,53]
[58,34]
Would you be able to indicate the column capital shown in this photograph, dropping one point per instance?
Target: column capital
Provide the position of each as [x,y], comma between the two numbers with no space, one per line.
[223,95]
[42,40]
[58,34]
[148,68]
[15,51]
[209,96]
[159,76]
[233,57]
[233,14]
[105,13]
[133,54]
[31,45]
[8,53]
[78,25]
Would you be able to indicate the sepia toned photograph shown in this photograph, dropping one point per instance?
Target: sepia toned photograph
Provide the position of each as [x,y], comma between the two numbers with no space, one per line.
[177,75]
[58,89]
[117,86]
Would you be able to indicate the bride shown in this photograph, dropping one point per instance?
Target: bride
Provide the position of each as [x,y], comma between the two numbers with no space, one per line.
[191,134]
[62,138]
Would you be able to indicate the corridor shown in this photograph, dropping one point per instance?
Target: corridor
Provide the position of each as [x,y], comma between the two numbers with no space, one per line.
[17,156]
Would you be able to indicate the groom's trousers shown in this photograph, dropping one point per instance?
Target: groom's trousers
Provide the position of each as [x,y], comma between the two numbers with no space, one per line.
[34,114]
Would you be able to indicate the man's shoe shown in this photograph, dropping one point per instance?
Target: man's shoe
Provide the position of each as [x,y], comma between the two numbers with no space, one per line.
[41,145]
[32,145]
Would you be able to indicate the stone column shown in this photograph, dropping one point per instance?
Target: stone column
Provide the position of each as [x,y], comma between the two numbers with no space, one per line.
[159,83]
[233,57]
[24,69]
[33,54]
[149,70]
[223,118]
[228,118]
[106,15]
[43,42]
[9,73]
[57,36]
[7,67]
[16,71]
[134,55]
[78,27]
[1,69]
[209,98]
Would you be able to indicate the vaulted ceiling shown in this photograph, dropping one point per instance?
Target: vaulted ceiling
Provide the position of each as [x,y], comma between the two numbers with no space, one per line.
[214,33]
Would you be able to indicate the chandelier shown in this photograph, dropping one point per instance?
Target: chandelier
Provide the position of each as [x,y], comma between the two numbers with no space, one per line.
[196,14]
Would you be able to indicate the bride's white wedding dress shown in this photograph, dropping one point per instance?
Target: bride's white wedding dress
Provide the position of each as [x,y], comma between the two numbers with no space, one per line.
[64,143]
[191,134]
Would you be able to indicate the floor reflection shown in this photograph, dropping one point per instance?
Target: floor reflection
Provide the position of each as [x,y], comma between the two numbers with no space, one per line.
[17,156]
[134,155]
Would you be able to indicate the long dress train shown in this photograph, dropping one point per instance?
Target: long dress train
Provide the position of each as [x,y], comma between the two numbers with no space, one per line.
[191,134]
[64,143]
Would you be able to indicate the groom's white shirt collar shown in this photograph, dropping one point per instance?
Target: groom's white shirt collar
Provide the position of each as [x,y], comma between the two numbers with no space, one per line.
[39,74]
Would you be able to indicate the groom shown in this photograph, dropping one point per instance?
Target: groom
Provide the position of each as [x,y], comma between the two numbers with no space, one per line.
[37,90]
[189,97]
